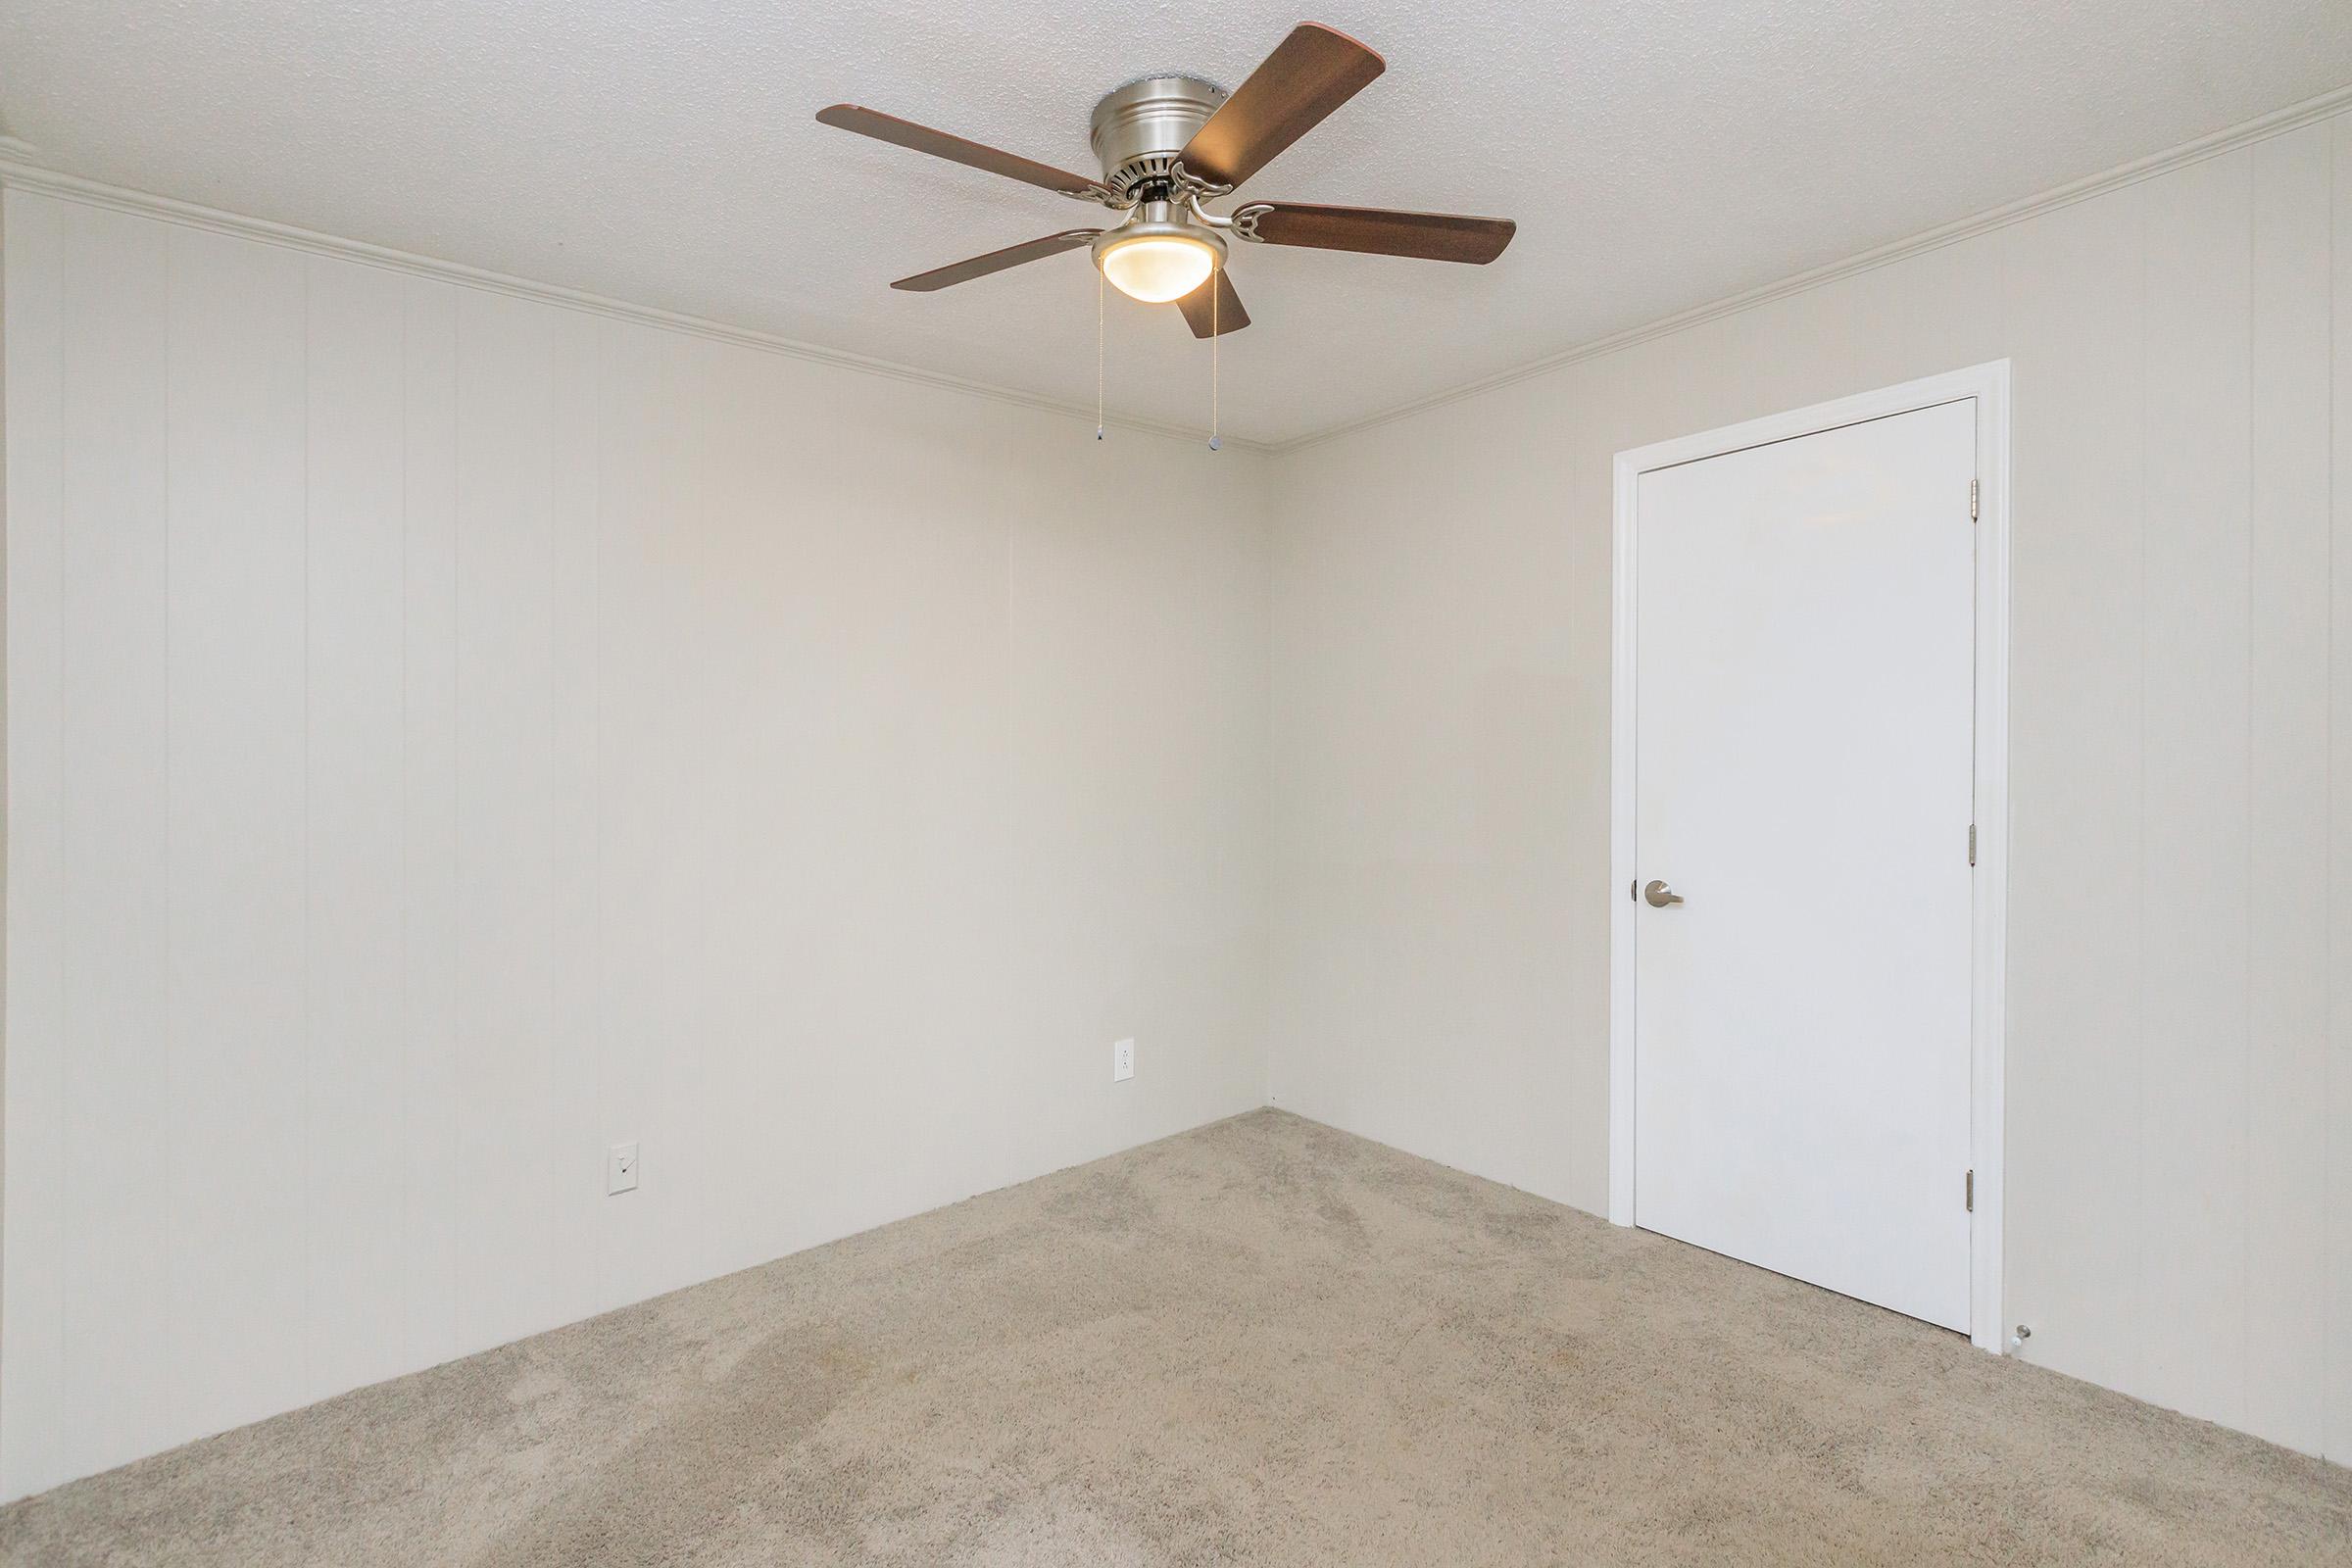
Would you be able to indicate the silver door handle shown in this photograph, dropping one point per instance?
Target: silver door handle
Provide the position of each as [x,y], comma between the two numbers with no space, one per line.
[1660,895]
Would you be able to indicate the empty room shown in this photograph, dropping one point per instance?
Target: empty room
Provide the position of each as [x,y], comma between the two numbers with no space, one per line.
[1025,786]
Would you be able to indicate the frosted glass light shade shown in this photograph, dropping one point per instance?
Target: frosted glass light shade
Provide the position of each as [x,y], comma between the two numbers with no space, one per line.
[1158,267]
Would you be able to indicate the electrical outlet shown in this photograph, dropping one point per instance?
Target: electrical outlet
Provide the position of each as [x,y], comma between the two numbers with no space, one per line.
[1122,1062]
[621,1169]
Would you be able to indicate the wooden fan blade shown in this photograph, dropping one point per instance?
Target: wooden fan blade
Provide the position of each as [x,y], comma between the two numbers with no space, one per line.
[954,149]
[1378,231]
[1230,317]
[964,271]
[1309,74]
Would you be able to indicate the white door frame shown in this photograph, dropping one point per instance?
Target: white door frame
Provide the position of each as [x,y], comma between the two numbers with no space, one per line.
[1989,384]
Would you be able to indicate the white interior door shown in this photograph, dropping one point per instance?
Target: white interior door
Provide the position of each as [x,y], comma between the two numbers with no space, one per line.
[1805,629]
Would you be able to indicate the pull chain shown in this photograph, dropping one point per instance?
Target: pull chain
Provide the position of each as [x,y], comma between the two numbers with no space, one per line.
[1098,354]
[1215,288]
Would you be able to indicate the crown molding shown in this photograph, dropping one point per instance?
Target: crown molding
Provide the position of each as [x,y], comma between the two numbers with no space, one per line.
[15,171]
[2292,117]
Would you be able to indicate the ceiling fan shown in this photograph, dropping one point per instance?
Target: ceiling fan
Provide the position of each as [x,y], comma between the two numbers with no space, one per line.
[1168,144]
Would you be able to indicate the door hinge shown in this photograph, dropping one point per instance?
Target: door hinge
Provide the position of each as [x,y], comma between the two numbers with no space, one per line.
[1972,842]
[1972,1191]
[1972,500]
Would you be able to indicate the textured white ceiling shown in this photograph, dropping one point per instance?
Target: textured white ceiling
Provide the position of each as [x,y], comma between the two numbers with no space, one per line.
[1657,154]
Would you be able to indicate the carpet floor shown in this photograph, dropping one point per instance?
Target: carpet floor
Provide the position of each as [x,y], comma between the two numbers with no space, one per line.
[1263,1342]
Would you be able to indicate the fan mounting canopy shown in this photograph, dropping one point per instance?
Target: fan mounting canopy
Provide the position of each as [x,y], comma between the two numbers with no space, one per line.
[1138,129]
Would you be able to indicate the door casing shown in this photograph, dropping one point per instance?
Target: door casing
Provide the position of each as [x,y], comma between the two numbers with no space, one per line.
[1989,384]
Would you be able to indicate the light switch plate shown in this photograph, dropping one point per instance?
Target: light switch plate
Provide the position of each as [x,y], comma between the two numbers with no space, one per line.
[621,1169]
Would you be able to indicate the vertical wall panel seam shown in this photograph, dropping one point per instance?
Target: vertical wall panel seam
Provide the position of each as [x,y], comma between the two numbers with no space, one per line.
[450,1030]
[176,1396]
[2245,1064]
[65,883]
[2328,867]
[594,1055]
[2328,859]
[556,1153]
[454,994]
[404,1052]
[2140,869]
[65,900]
[705,1227]
[599,1264]
[307,1038]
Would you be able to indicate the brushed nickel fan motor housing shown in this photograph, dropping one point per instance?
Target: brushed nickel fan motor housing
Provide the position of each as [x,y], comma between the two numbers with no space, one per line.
[1138,129]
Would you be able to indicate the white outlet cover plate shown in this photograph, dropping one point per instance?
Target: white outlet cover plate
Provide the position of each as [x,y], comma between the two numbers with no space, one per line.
[621,1169]
[1122,1062]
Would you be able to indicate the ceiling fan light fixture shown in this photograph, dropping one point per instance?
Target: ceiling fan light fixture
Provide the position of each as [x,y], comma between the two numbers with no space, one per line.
[1158,267]
[1159,262]
[1169,143]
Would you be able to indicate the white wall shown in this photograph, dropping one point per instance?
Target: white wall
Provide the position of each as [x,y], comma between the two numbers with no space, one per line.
[449,733]
[2180,1058]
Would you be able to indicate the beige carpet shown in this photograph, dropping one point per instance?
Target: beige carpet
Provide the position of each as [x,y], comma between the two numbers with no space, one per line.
[1263,1342]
